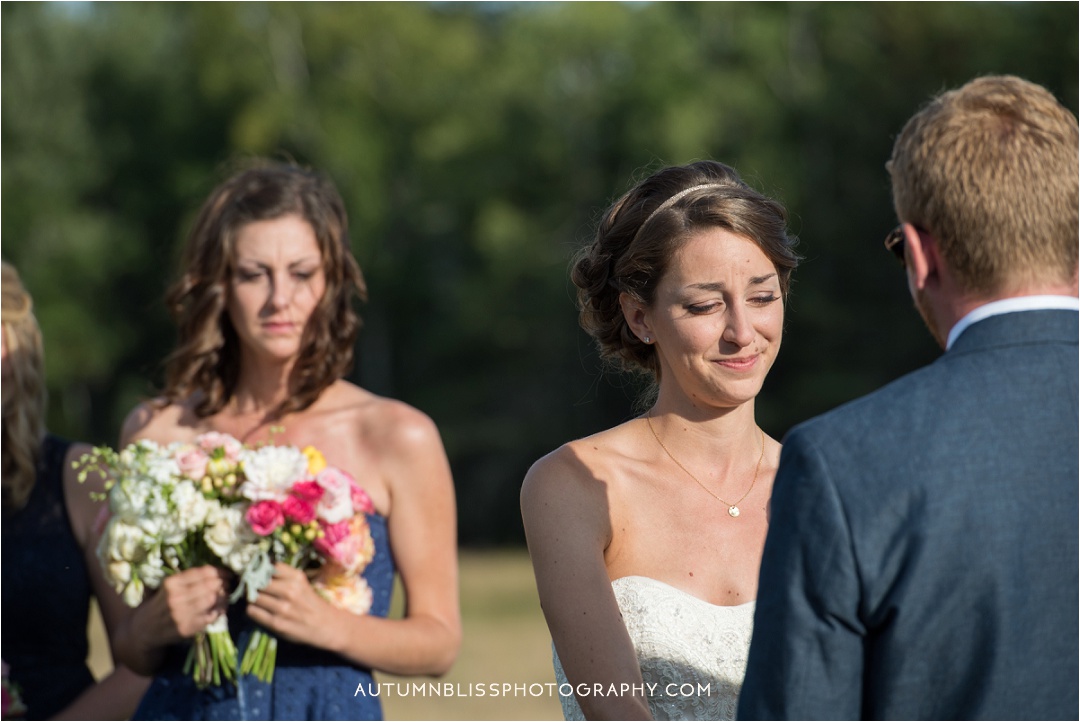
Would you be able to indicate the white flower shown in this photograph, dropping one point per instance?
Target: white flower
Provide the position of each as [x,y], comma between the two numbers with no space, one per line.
[152,571]
[118,574]
[133,592]
[128,499]
[242,554]
[122,542]
[185,512]
[154,526]
[162,469]
[222,528]
[271,471]
[229,536]
[170,557]
[157,504]
[191,506]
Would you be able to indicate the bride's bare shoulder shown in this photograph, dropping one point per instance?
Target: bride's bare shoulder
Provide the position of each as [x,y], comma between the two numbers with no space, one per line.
[583,467]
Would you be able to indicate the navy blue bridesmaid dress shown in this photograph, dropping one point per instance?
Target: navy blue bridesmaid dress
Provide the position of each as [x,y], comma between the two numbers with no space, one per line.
[46,593]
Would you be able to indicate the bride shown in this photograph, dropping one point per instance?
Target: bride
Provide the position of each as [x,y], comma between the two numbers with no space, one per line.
[646,538]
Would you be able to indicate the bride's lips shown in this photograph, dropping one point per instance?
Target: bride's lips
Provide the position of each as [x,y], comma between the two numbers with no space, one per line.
[744,363]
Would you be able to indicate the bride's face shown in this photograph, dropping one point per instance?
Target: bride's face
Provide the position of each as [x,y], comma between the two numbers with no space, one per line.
[717,319]
[277,281]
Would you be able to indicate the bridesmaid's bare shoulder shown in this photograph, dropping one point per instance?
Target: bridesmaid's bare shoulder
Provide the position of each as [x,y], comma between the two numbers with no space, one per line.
[388,423]
[162,421]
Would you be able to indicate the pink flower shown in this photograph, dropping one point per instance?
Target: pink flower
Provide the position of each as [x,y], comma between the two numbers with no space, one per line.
[334,535]
[213,440]
[192,462]
[336,505]
[298,509]
[347,543]
[360,500]
[264,517]
[308,491]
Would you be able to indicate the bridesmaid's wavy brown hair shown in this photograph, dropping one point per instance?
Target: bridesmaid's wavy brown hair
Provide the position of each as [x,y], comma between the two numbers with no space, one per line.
[206,362]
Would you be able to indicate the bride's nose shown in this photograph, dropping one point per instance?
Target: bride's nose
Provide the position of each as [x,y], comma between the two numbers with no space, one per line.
[738,329]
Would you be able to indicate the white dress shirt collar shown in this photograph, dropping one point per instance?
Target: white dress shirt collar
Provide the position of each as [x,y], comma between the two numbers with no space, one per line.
[1012,305]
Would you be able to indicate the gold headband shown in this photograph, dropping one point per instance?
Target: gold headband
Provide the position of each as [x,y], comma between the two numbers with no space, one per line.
[671,201]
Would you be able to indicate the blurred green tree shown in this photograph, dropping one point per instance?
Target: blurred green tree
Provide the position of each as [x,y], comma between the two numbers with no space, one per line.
[475,146]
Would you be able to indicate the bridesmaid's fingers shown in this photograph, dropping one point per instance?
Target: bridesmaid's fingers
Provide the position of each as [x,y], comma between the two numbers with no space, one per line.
[194,598]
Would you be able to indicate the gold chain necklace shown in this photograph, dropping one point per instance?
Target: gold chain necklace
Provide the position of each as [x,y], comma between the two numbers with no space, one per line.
[733,509]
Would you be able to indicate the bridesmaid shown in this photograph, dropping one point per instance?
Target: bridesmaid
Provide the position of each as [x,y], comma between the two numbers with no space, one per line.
[49,568]
[266,333]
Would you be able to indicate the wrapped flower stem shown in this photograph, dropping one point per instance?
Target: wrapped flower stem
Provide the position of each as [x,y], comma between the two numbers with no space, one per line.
[212,657]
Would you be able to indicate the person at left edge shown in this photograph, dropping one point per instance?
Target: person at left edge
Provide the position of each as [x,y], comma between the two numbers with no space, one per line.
[49,568]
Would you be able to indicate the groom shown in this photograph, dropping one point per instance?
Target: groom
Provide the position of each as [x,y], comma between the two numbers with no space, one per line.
[921,561]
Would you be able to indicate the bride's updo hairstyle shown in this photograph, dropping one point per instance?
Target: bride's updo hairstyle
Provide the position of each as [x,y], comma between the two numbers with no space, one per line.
[640,233]
[206,362]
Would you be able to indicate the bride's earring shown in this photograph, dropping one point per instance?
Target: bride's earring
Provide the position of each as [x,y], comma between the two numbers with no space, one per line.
[647,339]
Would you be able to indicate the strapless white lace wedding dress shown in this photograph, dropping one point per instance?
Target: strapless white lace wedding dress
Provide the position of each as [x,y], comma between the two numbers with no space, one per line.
[692,653]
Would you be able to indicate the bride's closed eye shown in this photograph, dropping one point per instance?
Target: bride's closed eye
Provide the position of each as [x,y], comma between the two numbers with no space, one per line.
[703,308]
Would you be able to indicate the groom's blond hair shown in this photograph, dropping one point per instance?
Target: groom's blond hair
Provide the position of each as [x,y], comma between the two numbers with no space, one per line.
[990,169]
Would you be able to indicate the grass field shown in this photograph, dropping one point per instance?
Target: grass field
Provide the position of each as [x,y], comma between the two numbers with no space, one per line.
[505,643]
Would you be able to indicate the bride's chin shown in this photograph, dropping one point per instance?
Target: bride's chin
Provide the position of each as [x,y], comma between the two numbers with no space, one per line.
[730,398]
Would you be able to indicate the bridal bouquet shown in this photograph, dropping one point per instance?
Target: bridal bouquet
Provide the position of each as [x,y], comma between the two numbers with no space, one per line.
[312,515]
[173,508]
[214,501]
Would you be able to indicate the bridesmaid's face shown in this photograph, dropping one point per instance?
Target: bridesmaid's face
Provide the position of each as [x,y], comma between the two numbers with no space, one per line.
[277,281]
[717,319]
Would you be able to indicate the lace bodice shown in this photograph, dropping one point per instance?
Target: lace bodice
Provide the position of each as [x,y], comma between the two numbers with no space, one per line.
[692,653]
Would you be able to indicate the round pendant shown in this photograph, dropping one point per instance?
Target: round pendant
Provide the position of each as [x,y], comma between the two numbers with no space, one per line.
[733,511]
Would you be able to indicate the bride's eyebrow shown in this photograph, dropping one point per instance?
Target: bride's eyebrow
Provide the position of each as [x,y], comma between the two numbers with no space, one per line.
[711,286]
[717,286]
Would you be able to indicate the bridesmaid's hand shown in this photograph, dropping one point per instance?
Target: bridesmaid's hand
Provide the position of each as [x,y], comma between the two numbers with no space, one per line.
[185,604]
[291,608]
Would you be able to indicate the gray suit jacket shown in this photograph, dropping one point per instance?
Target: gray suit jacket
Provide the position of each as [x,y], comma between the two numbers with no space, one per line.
[921,561]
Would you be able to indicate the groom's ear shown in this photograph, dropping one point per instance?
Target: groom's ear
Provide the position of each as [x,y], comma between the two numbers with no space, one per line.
[636,315]
[921,257]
